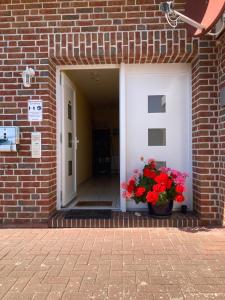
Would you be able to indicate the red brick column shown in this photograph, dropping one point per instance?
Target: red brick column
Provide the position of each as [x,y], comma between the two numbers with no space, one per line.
[27,185]
[205,134]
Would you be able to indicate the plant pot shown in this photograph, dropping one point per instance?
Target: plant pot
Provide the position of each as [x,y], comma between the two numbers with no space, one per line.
[161,210]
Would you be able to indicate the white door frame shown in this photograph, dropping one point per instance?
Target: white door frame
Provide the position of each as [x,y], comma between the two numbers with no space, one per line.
[122,125]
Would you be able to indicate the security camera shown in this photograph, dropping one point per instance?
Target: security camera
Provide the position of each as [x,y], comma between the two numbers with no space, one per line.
[166,7]
[173,16]
[27,75]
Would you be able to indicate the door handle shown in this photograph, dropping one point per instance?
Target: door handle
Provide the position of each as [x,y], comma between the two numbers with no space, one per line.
[76,142]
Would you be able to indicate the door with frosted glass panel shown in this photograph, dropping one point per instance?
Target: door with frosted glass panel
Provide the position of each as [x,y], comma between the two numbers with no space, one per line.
[69,144]
[159,118]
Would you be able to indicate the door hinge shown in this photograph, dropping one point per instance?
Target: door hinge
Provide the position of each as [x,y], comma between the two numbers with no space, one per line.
[61,197]
[61,137]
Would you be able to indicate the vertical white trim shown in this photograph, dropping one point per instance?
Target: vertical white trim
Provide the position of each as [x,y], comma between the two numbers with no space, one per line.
[122,105]
[63,152]
[189,142]
[58,139]
[75,140]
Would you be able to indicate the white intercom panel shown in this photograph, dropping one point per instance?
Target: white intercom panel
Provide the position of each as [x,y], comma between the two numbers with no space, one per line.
[9,138]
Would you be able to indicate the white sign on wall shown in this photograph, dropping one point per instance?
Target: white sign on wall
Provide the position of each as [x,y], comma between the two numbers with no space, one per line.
[36,144]
[35,110]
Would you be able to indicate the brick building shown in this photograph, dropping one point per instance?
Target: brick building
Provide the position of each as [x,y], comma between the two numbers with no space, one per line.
[120,41]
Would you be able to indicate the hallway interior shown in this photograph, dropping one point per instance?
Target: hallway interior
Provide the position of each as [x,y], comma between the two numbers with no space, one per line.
[100,192]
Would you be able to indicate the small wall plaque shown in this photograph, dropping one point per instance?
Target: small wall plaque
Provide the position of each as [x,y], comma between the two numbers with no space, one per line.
[35,110]
[36,144]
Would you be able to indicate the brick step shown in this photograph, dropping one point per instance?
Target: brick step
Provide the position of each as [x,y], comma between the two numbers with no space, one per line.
[125,220]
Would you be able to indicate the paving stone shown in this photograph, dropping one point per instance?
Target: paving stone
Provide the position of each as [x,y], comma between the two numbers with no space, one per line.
[40,296]
[138,263]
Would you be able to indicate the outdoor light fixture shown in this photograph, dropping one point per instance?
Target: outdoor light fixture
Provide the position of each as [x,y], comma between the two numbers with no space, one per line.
[27,75]
[172,17]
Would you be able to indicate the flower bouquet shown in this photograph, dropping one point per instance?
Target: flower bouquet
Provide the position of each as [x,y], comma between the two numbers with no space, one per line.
[159,187]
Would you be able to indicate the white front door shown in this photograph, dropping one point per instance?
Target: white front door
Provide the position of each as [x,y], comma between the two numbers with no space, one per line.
[159,117]
[69,141]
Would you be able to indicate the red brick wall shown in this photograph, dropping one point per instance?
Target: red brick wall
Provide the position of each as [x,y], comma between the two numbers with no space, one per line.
[205,133]
[209,132]
[221,72]
[44,34]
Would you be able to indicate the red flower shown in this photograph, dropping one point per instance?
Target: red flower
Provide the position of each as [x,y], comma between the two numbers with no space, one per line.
[131,185]
[179,188]
[162,178]
[179,198]
[132,182]
[154,185]
[149,173]
[151,163]
[169,184]
[130,188]
[159,188]
[152,197]
[140,191]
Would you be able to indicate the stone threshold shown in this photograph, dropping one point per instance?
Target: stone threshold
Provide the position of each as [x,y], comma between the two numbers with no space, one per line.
[125,220]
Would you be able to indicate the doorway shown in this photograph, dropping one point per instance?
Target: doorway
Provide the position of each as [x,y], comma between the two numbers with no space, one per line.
[90,139]
[153,119]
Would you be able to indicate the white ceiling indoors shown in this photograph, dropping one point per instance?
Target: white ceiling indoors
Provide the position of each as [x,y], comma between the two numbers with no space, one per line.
[99,86]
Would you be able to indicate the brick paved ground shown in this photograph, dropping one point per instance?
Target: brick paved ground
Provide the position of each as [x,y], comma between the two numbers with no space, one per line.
[118,264]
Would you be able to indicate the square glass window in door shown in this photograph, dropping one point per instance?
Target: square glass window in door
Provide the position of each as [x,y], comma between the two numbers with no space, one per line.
[70,167]
[160,164]
[157,136]
[156,104]
[70,142]
[69,110]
